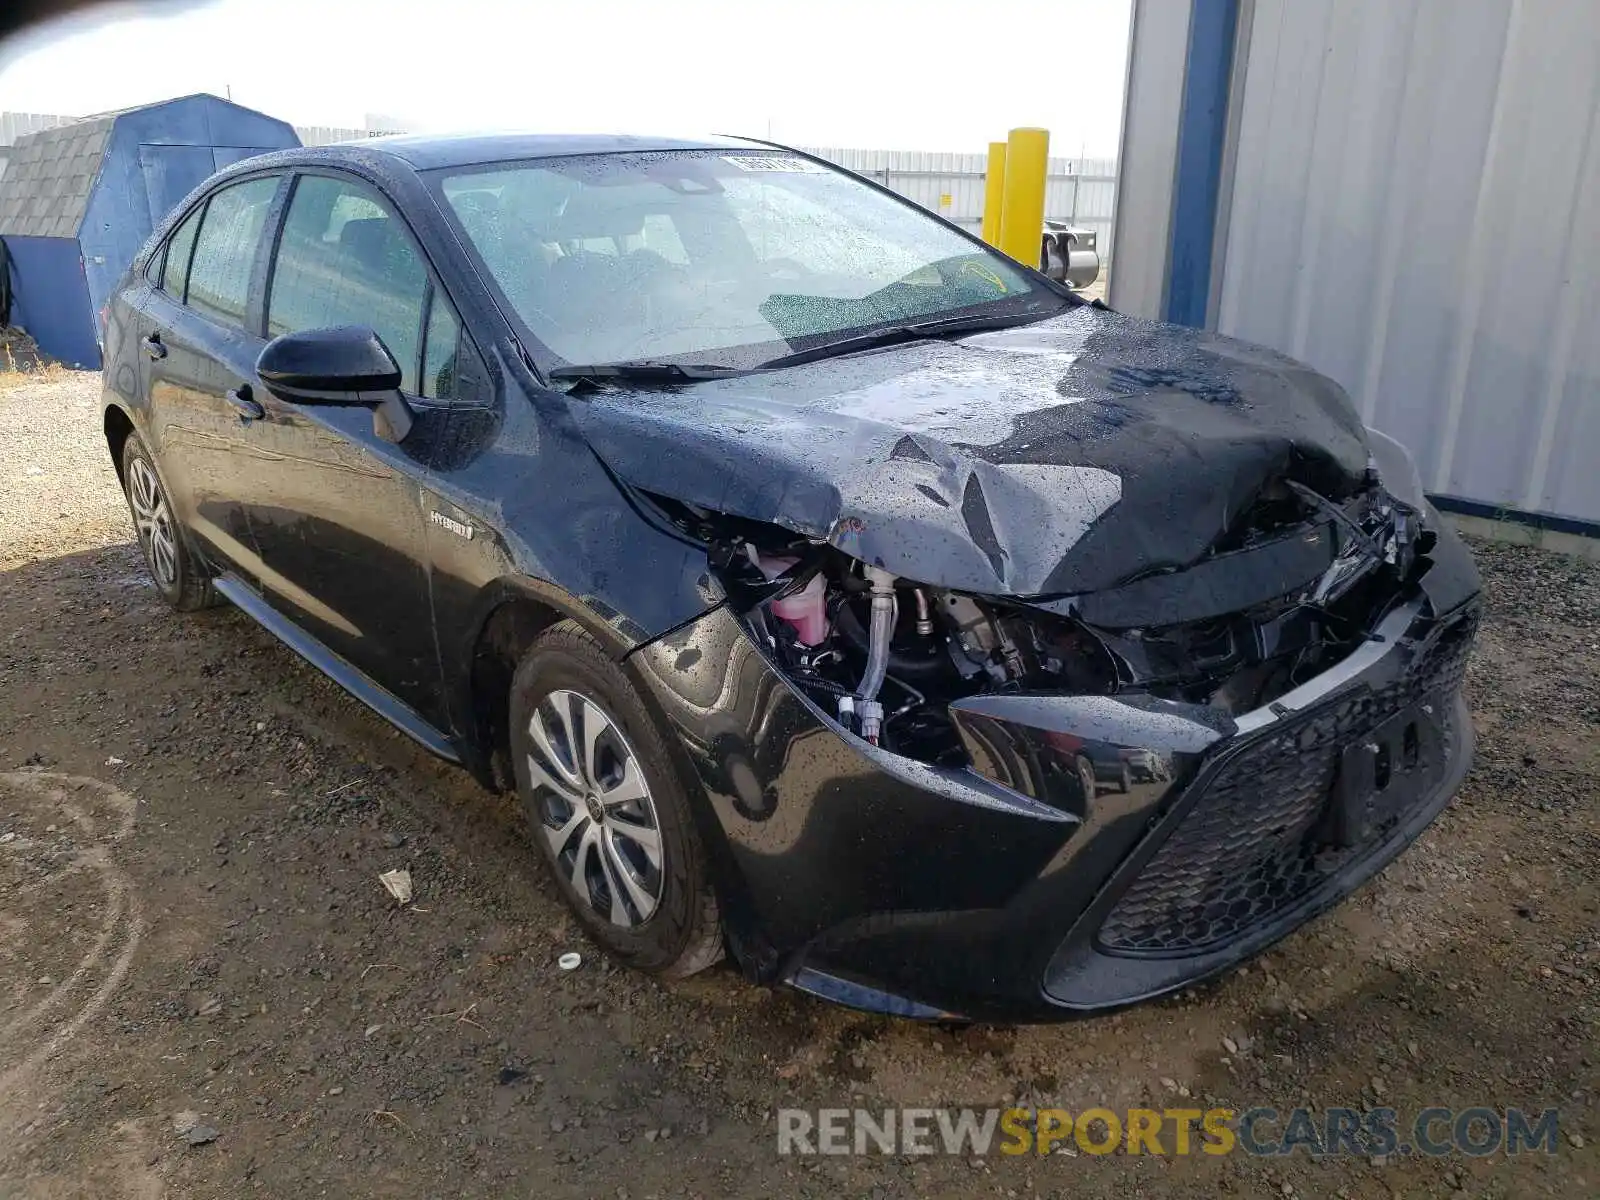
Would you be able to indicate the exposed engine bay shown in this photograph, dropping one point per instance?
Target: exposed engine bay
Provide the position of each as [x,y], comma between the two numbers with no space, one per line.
[1300,581]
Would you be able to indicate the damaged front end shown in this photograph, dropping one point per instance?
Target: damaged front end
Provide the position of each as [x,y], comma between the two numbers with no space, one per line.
[1295,587]
[1233,745]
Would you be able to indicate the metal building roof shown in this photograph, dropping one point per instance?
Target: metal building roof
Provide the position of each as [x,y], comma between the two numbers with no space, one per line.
[49,176]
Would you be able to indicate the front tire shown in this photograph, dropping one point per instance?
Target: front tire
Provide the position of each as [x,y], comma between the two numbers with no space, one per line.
[607,809]
[177,574]
[1086,781]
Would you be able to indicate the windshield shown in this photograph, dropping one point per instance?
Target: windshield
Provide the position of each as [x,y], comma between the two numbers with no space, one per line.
[718,257]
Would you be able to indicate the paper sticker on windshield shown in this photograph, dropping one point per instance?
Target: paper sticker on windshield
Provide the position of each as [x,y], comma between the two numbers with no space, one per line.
[774,162]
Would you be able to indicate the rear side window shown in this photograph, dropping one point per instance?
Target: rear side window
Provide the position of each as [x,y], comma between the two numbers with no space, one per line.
[225,251]
[175,267]
[346,258]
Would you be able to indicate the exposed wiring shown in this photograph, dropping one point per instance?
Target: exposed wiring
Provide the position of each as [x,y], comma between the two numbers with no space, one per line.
[917,698]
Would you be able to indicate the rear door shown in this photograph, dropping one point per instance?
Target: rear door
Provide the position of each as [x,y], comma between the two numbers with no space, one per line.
[339,512]
[197,363]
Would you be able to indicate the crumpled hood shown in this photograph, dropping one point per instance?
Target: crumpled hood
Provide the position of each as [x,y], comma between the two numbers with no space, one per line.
[1065,456]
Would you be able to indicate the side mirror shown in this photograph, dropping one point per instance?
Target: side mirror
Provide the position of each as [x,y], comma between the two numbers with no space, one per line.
[347,364]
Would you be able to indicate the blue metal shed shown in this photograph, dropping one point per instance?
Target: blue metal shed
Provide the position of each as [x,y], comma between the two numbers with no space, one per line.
[77,202]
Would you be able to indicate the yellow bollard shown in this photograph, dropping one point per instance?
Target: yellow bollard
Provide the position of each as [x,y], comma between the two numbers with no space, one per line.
[1022,207]
[994,186]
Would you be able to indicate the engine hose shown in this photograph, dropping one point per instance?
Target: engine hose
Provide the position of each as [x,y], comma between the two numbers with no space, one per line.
[864,705]
[882,630]
[914,666]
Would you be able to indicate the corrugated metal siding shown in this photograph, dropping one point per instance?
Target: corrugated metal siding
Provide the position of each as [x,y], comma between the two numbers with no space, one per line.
[1416,212]
[14,125]
[326,135]
[1082,191]
[323,135]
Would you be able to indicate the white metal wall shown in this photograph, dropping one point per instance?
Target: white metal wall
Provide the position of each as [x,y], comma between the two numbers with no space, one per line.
[15,124]
[1082,191]
[1158,41]
[324,135]
[1415,211]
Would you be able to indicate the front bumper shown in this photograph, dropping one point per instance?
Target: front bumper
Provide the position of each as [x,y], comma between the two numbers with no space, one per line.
[1306,801]
[1004,892]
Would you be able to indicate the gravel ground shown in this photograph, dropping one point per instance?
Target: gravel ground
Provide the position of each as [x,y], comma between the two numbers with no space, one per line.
[1097,289]
[205,992]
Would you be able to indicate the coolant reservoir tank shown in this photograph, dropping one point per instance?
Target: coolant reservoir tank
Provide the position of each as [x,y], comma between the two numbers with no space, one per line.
[806,610]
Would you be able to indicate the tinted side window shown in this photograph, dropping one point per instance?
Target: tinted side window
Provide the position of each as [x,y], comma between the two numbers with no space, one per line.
[345,258]
[439,351]
[225,251]
[175,267]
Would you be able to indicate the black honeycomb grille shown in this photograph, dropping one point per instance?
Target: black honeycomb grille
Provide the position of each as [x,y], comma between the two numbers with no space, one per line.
[1249,847]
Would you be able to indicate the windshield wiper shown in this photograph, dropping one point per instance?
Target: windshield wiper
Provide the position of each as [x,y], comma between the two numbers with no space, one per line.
[645,371]
[652,371]
[895,334]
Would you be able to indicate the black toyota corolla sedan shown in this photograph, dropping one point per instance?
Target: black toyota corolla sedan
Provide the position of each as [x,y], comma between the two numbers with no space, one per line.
[832,590]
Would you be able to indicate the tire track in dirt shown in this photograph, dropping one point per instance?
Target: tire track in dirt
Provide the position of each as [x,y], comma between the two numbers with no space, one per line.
[59,878]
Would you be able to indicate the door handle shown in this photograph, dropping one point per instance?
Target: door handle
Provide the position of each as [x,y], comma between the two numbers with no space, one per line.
[153,347]
[240,401]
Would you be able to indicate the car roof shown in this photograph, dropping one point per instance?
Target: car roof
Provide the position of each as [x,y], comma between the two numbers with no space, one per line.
[425,152]
[402,153]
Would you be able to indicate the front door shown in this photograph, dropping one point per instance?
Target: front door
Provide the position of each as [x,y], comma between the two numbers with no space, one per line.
[339,512]
[197,367]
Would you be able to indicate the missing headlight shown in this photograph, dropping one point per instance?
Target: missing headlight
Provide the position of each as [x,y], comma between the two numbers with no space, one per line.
[887,655]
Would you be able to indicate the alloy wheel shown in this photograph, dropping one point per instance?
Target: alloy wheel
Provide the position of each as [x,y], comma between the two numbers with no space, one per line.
[595,808]
[152,518]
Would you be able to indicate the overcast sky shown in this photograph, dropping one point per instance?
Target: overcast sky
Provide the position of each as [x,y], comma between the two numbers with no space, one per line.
[882,74]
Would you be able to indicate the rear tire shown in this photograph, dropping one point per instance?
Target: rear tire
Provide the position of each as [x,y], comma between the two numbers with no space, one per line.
[178,575]
[607,809]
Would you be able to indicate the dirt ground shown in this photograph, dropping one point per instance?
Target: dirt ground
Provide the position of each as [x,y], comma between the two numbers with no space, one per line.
[193,938]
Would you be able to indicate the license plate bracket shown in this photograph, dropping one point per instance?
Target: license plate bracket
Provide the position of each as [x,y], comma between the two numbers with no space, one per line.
[1385,773]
